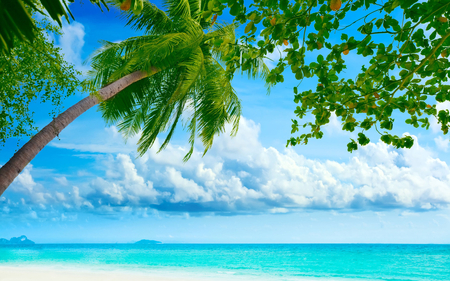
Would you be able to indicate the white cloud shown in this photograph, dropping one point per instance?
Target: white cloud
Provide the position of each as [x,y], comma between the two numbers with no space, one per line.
[71,44]
[25,184]
[24,180]
[278,210]
[442,143]
[122,184]
[185,190]
[240,175]
[62,181]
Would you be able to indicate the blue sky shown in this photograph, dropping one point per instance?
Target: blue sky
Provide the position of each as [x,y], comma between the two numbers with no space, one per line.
[90,186]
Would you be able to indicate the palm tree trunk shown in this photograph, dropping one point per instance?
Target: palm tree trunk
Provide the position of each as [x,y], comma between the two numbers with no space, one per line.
[21,158]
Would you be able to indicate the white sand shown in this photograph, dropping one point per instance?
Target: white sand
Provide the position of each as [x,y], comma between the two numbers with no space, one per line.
[26,273]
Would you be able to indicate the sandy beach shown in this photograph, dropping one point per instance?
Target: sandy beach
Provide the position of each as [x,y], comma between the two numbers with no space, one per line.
[26,273]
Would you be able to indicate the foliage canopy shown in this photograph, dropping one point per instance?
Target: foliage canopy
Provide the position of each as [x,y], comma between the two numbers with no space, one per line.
[404,42]
[31,73]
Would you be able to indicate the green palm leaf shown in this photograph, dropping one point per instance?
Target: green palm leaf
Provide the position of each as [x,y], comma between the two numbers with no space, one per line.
[178,8]
[151,20]
[191,69]
[187,77]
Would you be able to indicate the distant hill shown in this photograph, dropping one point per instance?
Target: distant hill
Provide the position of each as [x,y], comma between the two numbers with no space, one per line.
[147,242]
[22,240]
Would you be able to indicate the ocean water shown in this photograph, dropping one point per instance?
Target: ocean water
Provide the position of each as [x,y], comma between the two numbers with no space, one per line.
[245,261]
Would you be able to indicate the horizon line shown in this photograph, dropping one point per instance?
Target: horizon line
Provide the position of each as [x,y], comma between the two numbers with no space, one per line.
[232,243]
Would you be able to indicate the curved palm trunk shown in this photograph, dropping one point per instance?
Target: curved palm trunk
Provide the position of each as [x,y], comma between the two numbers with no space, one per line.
[21,158]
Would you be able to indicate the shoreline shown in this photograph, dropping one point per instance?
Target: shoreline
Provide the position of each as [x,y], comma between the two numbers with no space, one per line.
[58,272]
[73,273]
[104,272]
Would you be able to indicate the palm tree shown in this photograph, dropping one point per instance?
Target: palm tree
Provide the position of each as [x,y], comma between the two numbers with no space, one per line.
[148,83]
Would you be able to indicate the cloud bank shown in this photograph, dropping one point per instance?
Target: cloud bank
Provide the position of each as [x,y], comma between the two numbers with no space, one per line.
[238,176]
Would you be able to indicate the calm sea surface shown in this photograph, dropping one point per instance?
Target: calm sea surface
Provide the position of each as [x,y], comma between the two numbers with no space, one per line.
[246,262]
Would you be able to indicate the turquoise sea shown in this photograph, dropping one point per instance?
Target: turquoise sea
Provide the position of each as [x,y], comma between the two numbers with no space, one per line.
[246,261]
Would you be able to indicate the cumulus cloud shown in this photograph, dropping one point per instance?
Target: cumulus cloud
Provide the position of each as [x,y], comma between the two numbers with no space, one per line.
[71,44]
[239,176]
[442,143]
[122,186]
[61,180]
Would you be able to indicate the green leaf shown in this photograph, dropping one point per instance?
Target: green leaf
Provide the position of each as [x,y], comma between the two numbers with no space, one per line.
[352,146]
[249,27]
[362,139]
[319,59]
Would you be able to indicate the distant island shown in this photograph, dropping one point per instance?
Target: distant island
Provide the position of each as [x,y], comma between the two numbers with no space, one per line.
[147,242]
[22,240]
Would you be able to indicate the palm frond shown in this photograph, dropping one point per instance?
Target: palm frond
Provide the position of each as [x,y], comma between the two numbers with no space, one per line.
[222,40]
[197,7]
[143,106]
[253,65]
[107,60]
[216,104]
[158,118]
[129,106]
[115,60]
[164,52]
[192,128]
[223,31]
[191,69]
[151,20]
[179,111]
[191,76]
[178,8]
[250,63]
